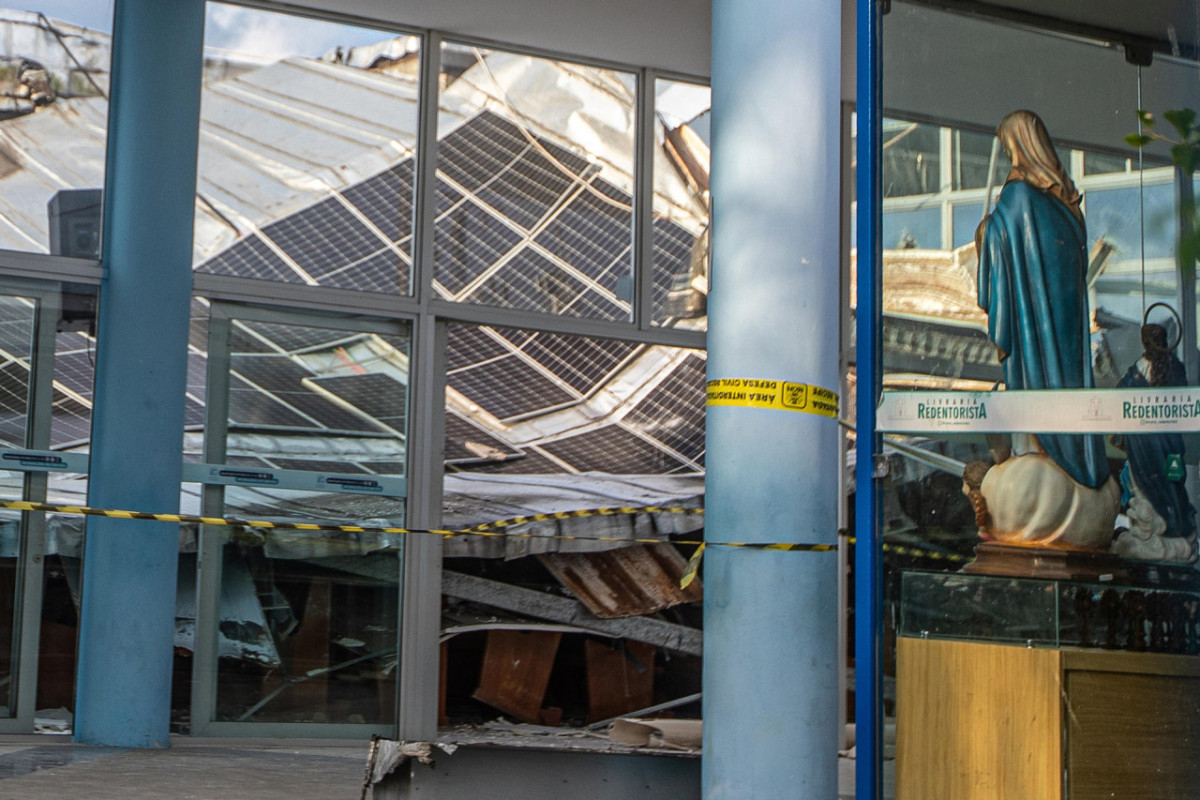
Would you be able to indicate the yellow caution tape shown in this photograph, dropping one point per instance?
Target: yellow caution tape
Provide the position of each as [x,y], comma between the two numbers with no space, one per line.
[779,395]
[489,529]
[693,565]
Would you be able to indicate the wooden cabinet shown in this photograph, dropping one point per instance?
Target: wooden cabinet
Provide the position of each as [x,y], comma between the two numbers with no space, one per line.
[980,721]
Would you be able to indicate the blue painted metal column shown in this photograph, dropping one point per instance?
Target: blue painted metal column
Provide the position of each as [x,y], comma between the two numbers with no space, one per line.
[770,617]
[127,619]
[868,552]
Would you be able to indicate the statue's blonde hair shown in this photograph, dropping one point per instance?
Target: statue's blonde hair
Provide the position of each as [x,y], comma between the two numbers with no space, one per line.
[1026,141]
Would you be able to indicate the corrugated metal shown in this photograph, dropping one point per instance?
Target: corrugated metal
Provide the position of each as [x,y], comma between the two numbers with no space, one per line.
[278,138]
[627,582]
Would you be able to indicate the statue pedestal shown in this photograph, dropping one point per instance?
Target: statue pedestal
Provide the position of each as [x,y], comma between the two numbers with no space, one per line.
[992,558]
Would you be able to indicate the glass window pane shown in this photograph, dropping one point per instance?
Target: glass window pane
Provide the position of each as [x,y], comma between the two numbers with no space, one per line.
[917,229]
[1078,296]
[973,152]
[54,69]
[912,158]
[307,138]
[681,204]
[535,184]
[546,423]
[316,432]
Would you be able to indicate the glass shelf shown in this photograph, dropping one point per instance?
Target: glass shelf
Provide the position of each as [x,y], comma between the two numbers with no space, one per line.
[1049,613]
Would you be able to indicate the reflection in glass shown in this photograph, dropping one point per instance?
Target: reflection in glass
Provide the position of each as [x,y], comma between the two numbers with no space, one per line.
[545,423]
[308,130]
[912,158]
[682,252]
[309,618]
[54,71]
[535,184]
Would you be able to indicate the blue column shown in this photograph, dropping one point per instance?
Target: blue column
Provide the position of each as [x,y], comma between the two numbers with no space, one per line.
[127,620]
[770,617]
[868,554]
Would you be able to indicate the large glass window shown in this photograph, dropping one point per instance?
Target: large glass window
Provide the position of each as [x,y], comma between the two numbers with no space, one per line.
[307,139]
[682,249]
[535,184]
[54,67]
[547,424]
[306,423]
[1039,348]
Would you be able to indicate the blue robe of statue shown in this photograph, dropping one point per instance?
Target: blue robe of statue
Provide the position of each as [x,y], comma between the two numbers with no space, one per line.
[1147,464]
[1032,284]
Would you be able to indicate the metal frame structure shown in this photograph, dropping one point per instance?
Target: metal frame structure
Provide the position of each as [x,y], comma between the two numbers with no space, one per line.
[429,318]
[868,562]
[27,607]
[204,678]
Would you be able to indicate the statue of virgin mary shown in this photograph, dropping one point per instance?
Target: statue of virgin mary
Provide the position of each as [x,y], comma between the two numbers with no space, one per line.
[1032,283]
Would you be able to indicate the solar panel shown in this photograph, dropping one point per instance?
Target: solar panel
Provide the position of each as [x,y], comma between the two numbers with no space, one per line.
[674,412]
[386,200]
[612,449]
[385,272]
[469,344]
[323,237]
[592,235]
[533,282]
[291,338]
[580,361]
[527,189]
[475,152]
[274,373]
[508,387]
[379,396]
[467,242]
[313,465]
[672,257]
[14,388]
[250,257]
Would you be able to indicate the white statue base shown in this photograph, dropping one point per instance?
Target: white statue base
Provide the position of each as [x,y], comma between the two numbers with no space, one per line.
[1032,502]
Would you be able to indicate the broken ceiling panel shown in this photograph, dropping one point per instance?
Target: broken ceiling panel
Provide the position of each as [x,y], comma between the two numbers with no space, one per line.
[627,582]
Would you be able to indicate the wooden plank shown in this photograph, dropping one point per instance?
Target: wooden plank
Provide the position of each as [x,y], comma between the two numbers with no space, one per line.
[308,650]
[1132,736]
[977,722]
[516,669]
[626,581]
[616,685]
[541,605]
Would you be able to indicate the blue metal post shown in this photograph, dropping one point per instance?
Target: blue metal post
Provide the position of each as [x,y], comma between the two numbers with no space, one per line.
[868,561]
[127,618]
[770,617]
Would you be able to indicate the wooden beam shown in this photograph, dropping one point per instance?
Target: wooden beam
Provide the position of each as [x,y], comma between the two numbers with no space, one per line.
[541,605]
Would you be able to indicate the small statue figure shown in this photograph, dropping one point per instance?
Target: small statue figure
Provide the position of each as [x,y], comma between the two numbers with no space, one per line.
[1162,521]
[1055,490]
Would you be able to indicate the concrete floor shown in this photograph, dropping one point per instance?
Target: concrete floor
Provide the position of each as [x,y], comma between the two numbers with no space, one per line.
[51,768]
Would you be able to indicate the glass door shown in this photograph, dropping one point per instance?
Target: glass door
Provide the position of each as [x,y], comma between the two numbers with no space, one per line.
[296,629]
[28,317]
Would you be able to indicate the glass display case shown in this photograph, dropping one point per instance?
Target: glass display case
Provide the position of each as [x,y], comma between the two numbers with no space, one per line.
[1049,613]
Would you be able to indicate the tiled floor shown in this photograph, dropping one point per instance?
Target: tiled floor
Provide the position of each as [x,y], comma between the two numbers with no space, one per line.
[52,768]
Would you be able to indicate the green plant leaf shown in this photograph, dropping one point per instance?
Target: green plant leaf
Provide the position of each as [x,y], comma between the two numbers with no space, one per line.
[1145,117]
[1186,157]
[1137,140]
[1182,119]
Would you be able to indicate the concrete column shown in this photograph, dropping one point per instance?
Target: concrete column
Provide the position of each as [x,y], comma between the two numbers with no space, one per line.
[127,620]
[770,626]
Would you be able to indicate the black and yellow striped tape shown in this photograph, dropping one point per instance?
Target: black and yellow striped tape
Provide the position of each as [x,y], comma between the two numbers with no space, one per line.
[497,528]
